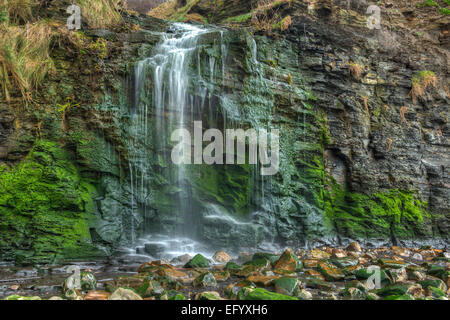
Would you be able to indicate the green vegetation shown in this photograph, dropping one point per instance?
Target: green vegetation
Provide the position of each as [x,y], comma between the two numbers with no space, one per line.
[45,206]
[239,19]
[431,3]
[391,214]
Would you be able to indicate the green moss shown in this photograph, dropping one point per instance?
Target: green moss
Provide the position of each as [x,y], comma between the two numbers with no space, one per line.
[239,19]
[44,208]
[391,214]
[261,294]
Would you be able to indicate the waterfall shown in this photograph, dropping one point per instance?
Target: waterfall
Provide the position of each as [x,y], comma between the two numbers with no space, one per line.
[181,82]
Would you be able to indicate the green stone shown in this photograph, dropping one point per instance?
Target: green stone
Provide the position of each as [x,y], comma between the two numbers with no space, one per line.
[198,261]
[261,294]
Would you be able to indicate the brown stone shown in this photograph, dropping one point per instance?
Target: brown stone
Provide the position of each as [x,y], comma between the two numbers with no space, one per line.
[97,295]
[221,256]
[338,253]
[403,252]
[261,280]
[310,263]
[319,254]
[354,247]
[314,274]
[288,262]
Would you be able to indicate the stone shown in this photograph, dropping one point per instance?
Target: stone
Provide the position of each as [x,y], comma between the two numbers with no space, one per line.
[319,284]
[366,273]
[124,294]
[244,257]
[55,298]
[354,293]
[257,265]
[338,253]
[97,295]
[208,295]
[434,292]
[221,276]
[273,258]
[154,249]
[19,297]
[357,284]
[172,274]
[261,280]
[344,262]
[261,294]
[310,263]
[221,256]
[400,251]
[330,272]
[287,285]
[390,263]
[72,294]
[438,270]
[372,296]
[398,289]
[304,294]
[88,281]
[198,261]
[205,280]
[231,266]
[288,262]
[400,297]
[354,247]
[319,254]
[433,282]
[313,274]
[417,256]
[398,275]
[183,259]
[416,275]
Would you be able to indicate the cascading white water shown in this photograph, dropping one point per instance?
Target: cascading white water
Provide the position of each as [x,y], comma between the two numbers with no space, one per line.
[166,76]
[174,87]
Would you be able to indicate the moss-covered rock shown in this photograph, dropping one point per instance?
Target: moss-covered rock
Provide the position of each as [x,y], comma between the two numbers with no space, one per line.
[198,261]
[45,208]
[261,294]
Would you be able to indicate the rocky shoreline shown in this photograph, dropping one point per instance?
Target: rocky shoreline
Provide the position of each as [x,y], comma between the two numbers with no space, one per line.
[351,273]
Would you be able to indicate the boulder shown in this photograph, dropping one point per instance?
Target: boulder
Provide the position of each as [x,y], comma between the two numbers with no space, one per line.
[208,295]
[354,247]
[287,285]
[288,262]
[97,295]
[205,280]
[198,261]
[330,272]
[221,257]
[124,294]
[261,294]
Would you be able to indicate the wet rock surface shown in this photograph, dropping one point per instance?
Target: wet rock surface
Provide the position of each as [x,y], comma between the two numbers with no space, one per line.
[383,276]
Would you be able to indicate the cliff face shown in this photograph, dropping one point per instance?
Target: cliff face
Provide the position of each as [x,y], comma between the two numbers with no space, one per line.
[361,159]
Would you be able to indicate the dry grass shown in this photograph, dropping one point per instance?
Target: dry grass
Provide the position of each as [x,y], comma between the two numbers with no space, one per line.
[19,11]
[403,111]
[366,104]
[266,15]
[101,14]
[421,82]
[24,58]
[389,143]
[356,70]
[164,11]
